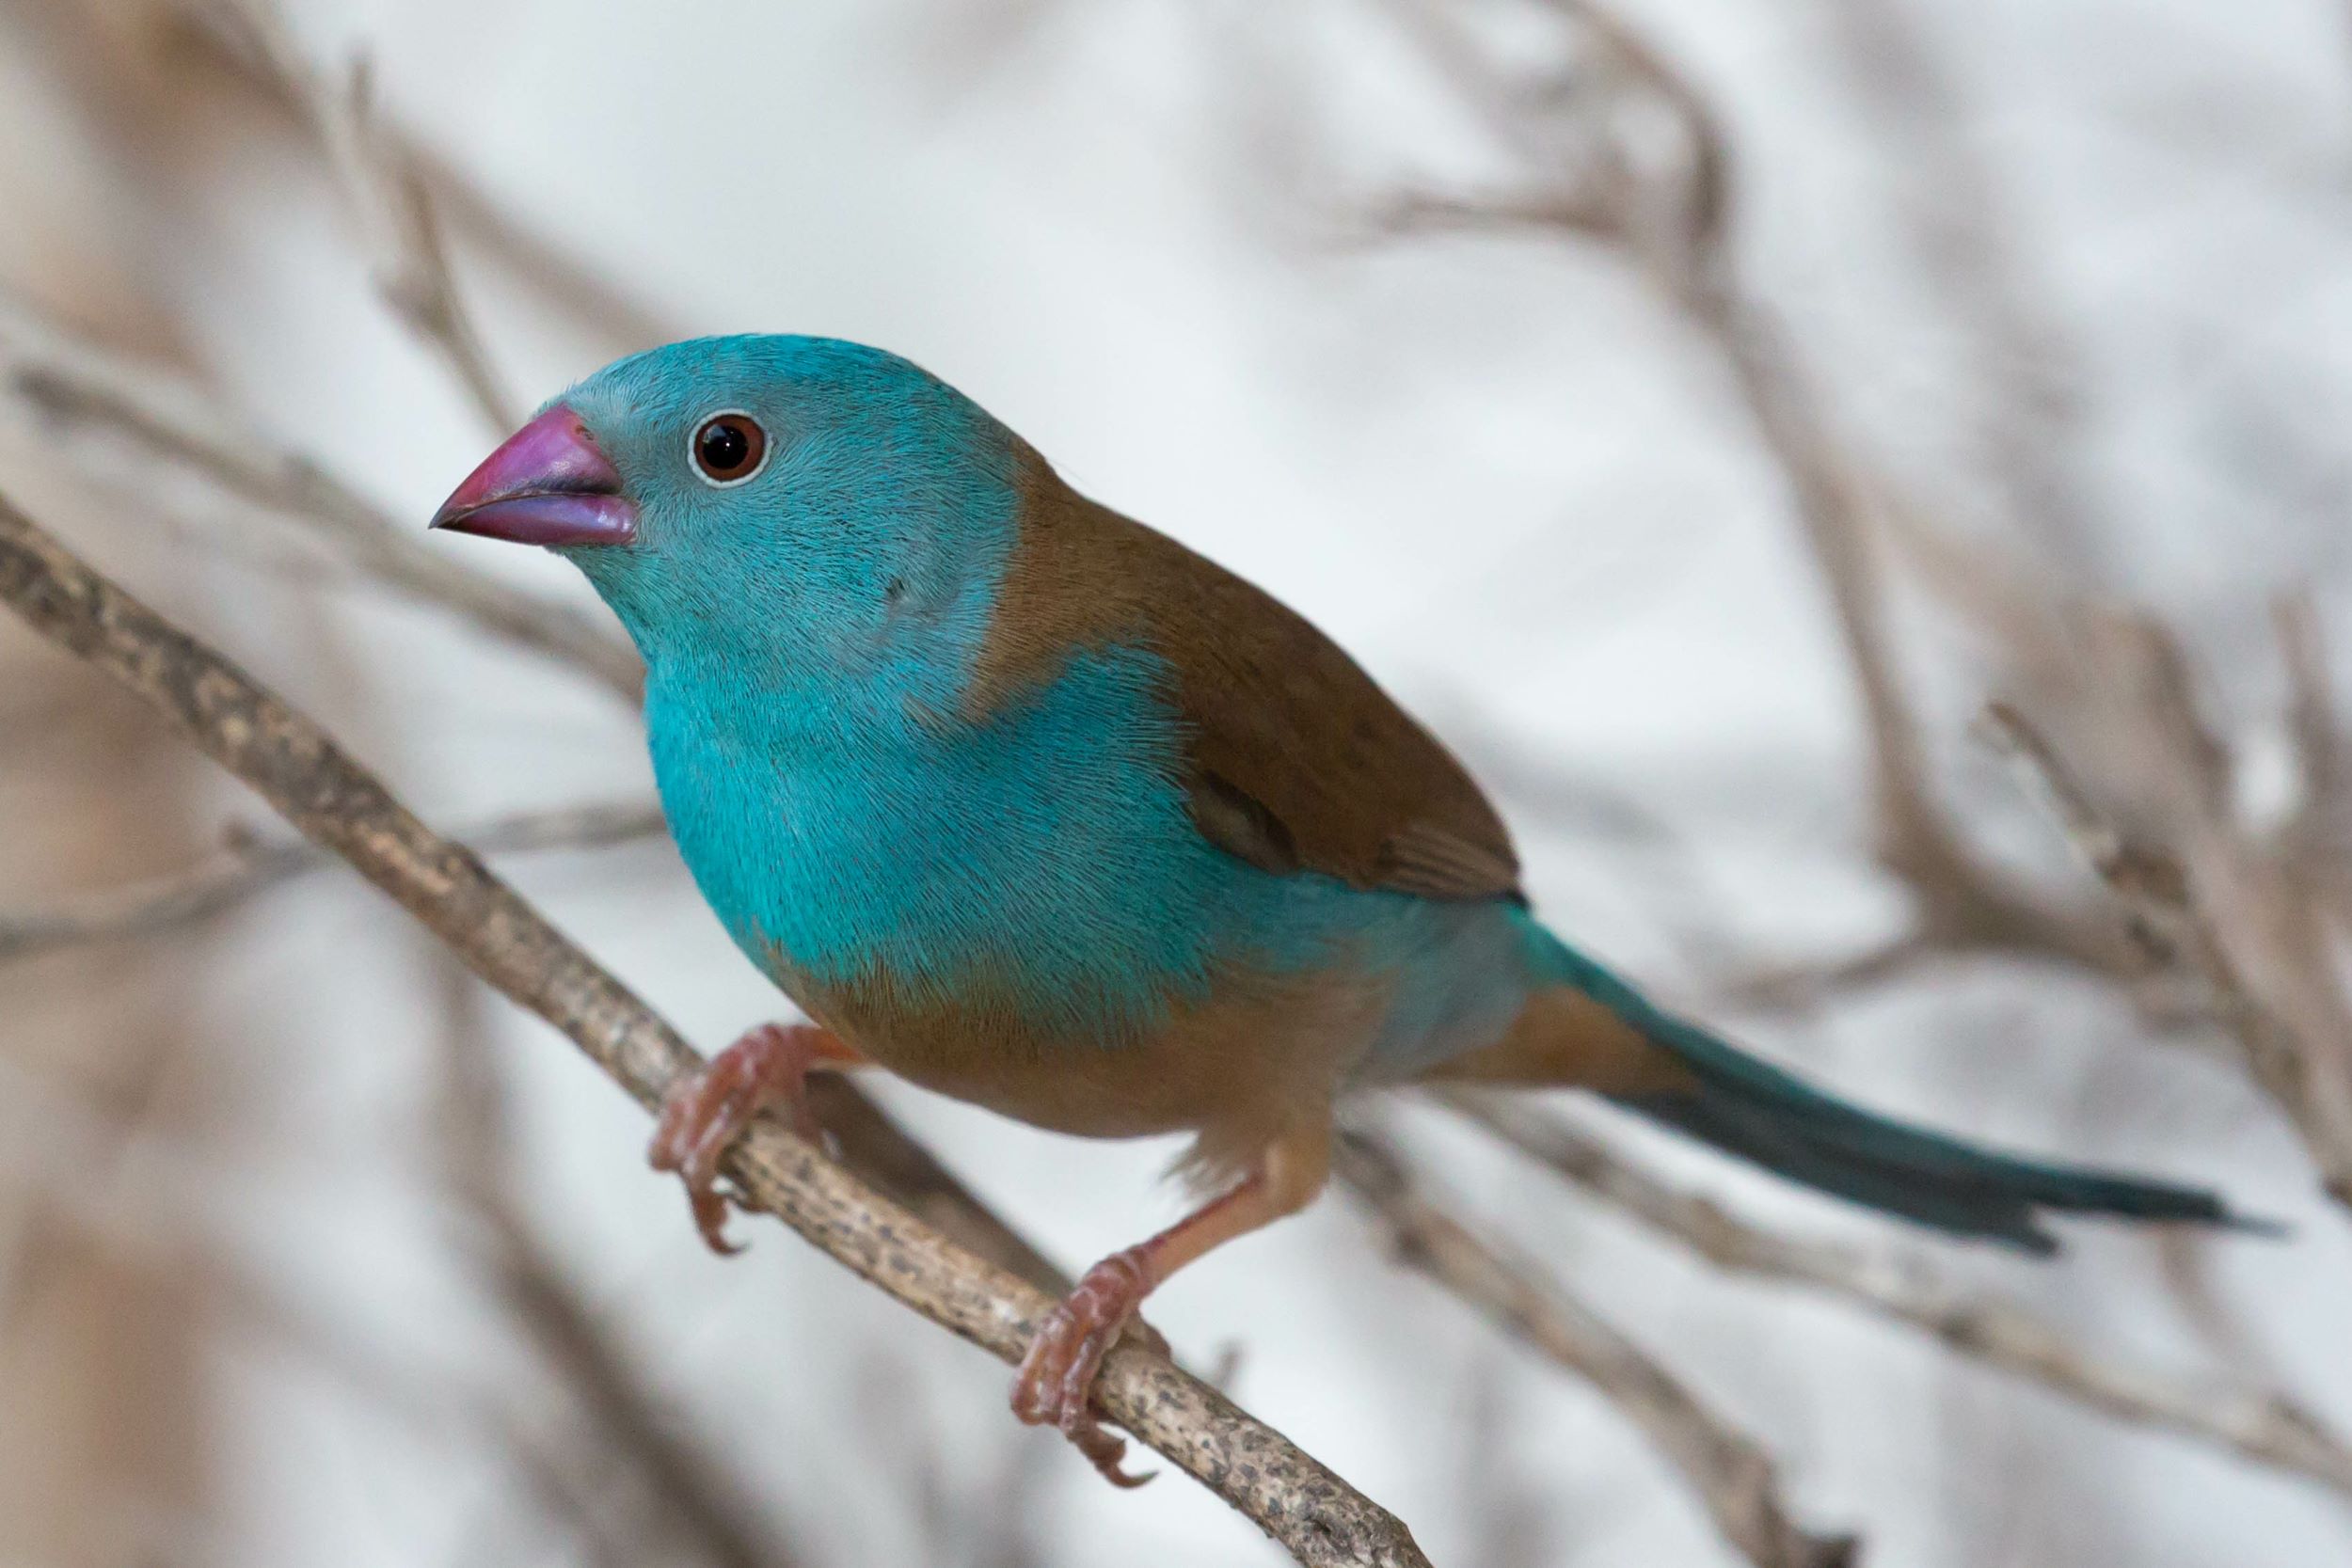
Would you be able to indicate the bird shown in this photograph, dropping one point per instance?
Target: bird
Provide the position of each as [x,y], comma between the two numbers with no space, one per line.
[1028,803]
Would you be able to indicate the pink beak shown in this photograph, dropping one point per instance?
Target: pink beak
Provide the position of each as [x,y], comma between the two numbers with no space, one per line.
[549,485]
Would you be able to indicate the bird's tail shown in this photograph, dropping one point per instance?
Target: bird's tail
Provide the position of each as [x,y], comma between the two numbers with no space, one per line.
[1751,1108]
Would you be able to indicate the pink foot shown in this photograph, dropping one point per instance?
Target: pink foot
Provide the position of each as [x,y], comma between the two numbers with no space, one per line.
[706,1113]
[1056,1383]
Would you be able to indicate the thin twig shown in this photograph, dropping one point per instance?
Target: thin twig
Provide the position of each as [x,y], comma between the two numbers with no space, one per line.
[2261,947]
[2221,914]
[1963,241]
[379,182]
[74,380]
[87,391]
[2312,837]
[562,278]
[279,79]
[1797,986]
[2259,1424]
[1672,225]
[248,867]
[333,800]
[1729,1470]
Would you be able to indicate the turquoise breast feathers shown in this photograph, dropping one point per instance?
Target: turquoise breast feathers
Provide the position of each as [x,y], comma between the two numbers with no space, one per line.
[1043,854]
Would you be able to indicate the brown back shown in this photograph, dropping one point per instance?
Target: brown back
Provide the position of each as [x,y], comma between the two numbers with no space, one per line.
[1297,760]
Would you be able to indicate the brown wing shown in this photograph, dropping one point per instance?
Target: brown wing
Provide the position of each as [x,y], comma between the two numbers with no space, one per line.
[1298,760]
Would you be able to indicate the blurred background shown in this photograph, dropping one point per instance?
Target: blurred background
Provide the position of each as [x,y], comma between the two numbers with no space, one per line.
[1697,410]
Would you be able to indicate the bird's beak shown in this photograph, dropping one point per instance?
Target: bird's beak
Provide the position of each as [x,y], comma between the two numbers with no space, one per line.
[549,485]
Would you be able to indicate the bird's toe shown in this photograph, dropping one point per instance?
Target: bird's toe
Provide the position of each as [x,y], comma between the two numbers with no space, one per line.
[704,1113]
[1055,1385]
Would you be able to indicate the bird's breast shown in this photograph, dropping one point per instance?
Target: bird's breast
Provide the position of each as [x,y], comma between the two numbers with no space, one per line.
[1037,874]
[1022,913]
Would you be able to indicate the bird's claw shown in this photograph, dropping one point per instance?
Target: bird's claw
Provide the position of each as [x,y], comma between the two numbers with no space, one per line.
[1056,1384]
[706,1113]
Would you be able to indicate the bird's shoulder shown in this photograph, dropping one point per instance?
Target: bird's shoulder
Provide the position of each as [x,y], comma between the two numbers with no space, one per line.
[1294,758]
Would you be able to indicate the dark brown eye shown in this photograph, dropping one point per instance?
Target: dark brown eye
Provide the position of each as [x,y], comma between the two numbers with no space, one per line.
[729,448]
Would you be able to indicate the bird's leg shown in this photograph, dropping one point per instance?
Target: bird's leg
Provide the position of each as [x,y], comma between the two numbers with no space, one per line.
[1056,1383]
[705,1112]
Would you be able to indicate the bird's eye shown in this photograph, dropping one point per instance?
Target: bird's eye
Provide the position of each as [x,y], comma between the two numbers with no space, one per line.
[729,448]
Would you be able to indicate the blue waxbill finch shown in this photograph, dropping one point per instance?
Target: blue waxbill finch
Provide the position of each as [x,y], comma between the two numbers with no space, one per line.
[1030,804]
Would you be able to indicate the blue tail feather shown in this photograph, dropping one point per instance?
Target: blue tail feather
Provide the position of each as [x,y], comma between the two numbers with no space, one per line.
[1748,1107]
[1769,1143]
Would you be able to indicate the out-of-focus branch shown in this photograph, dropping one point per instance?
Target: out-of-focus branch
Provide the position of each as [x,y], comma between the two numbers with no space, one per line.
[2225,913]
[2259,1424]
[437,1415]
[110,401]
[282,80]
[1670,223]
[1964,244]
[379,181]
[682,1478]
[330,798]
[73,382]
[1963,901]
[1734,1477]
[2277,946]
[1797,986]
[560,278]
[2150,884]
[247,868]
[870,1142]
[242,870]
[2313,839]
[55,1145]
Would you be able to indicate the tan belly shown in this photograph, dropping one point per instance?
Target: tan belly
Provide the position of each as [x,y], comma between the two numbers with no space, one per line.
[1257,1057]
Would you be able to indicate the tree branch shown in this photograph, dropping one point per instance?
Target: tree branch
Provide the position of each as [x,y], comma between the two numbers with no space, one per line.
[76,383]
[2222,915]
[1731,1473]
[281,80]
[90,391]
[2299,1039]
[339,804]
[687,1483]
[247,869]
[2313,837]
[1963,241]
[1672,225]
[2259,1424]
[379,181]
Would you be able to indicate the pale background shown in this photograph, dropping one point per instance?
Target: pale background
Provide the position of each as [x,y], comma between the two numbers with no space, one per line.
[1495,468]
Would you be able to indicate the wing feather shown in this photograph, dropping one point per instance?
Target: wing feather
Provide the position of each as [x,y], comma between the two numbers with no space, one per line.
[1298,761]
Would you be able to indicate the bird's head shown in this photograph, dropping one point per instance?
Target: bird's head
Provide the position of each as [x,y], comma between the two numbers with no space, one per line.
[799,509]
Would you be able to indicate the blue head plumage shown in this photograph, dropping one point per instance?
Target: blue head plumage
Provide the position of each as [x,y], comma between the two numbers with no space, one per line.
[859,554]
[810,625]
